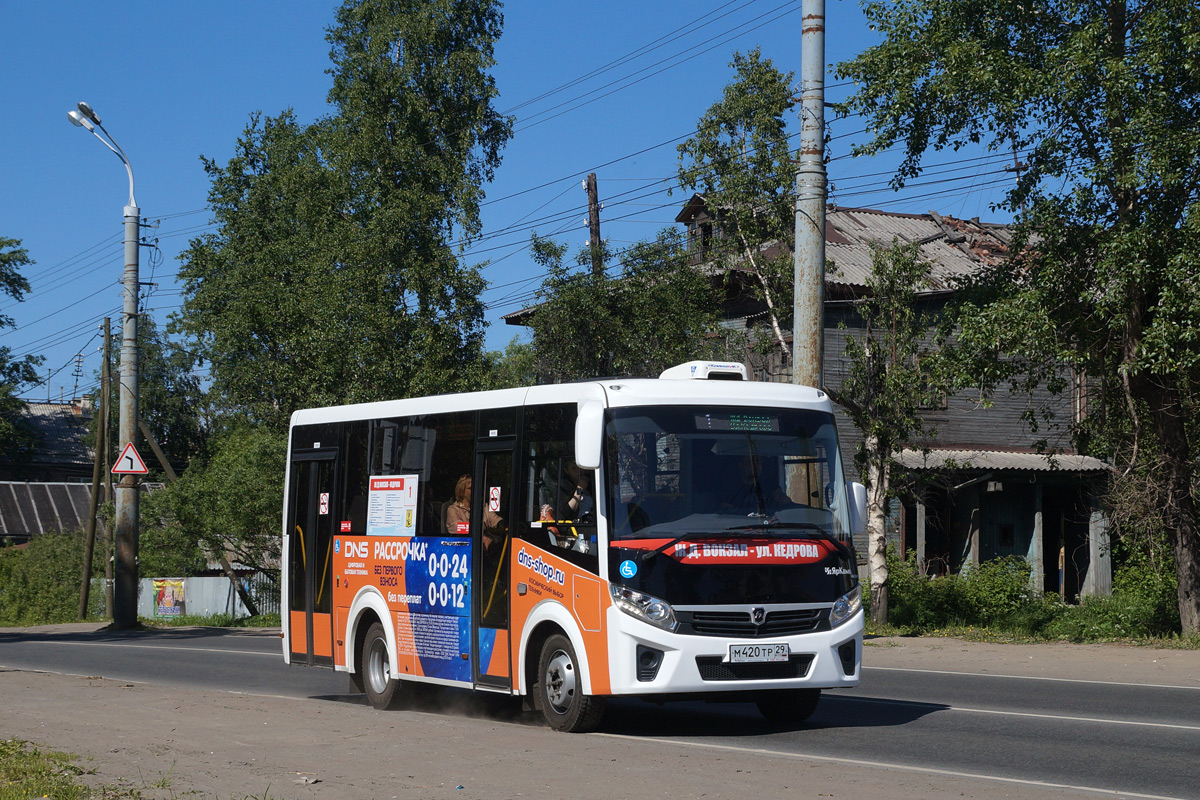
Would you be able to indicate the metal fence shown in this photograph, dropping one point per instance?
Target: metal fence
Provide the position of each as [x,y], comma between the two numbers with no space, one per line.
[206,596]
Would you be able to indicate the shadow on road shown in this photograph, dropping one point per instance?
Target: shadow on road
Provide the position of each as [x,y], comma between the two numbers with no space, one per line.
[692,719]
[106,634]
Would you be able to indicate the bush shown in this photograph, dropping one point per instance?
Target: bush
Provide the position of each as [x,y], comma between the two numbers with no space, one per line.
[39,583]
[1143,603]
[997,593]
[998,590]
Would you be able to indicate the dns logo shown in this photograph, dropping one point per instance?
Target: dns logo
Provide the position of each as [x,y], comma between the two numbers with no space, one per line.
[356,549]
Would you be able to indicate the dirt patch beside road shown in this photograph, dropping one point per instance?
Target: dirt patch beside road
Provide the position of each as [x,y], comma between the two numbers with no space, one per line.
[1085,662]
[169,742]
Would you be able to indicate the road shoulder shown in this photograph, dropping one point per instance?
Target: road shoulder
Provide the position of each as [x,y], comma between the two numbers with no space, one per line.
[1115,663]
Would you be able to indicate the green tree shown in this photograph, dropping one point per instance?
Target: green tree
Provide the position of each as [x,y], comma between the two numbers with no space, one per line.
[16,438]
[331,277]
[890,375]
[654,311]
[229,504]
[171,400]
[1102,101]
[740,162]
[515,366]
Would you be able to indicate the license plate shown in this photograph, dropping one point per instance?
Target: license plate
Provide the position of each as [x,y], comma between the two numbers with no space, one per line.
[757,653]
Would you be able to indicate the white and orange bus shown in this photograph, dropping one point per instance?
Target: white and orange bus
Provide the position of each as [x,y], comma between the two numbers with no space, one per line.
[675,537]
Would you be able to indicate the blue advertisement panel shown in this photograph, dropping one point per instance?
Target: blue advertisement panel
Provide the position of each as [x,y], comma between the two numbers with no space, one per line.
[438,598]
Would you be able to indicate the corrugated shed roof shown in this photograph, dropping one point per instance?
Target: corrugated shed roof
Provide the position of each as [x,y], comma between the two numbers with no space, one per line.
[29,509]
[997,460]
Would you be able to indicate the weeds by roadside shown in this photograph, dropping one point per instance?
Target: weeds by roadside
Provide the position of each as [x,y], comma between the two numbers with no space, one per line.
[212,621]
[27,771]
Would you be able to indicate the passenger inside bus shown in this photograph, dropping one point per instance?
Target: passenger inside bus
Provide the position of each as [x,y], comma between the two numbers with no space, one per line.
[566,492]
[565,498]
[458,516]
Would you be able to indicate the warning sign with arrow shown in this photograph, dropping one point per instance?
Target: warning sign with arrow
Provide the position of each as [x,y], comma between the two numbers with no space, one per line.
[130,463]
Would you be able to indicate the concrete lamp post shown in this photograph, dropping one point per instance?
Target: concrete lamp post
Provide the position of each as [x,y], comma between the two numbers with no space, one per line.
[126,572]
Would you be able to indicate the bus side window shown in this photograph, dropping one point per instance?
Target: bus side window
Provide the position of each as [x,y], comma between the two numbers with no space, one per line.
[354,489]
[450,440]
[561,498]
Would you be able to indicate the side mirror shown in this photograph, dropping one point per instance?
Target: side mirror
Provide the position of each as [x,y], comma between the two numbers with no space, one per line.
[589,434]
[856,496]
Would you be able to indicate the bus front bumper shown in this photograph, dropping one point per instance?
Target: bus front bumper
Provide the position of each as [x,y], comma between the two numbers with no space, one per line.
[647,660]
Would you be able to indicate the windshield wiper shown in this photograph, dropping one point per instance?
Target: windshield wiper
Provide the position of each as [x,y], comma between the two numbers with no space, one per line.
[773,525]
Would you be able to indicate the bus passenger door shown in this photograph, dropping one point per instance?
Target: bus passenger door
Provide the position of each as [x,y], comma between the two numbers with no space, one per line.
[311,511]
[492,515]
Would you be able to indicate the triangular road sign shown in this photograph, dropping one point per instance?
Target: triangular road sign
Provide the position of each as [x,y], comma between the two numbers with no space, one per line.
[130,463]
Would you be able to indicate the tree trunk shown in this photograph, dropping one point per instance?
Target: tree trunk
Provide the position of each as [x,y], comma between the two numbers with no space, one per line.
[1179,506]
[877,476]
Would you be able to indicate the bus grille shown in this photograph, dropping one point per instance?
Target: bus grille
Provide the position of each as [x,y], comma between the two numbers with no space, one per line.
[785,622]
[712,668]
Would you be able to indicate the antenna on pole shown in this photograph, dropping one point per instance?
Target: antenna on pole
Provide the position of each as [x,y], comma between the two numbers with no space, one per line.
[77,373]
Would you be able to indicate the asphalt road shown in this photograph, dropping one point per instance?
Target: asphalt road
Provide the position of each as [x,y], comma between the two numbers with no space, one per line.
[1104,736]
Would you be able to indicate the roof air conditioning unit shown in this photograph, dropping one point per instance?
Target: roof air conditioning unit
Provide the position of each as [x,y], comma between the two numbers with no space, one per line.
[706,370]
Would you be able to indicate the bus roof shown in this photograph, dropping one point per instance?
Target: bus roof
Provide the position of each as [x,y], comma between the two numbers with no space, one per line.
[612,392]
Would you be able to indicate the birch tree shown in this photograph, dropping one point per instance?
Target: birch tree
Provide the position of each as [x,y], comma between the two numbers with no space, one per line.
[891,375]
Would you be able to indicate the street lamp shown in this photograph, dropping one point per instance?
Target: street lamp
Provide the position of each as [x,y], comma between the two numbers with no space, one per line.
[126,573]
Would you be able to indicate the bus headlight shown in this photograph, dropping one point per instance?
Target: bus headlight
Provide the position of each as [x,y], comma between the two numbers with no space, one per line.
[643,606]
[846,606]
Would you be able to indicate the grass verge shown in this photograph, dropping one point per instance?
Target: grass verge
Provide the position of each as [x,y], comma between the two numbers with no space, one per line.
[212,621]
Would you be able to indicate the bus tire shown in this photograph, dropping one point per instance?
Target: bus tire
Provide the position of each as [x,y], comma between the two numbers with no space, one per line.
[560,689]
[383,691]
[787,706]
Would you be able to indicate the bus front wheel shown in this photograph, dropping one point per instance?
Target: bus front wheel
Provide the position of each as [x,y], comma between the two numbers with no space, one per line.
[560,687]
[383,691]
[787,706]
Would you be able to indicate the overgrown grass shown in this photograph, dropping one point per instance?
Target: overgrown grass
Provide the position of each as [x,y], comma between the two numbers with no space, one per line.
[213,621]
[995,602]
[26,771]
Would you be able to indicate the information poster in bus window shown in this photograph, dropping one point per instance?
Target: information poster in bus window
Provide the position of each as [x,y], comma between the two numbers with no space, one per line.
[392,506]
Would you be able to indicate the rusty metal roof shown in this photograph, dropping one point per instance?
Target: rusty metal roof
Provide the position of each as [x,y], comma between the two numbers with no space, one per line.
[955,248]
[997,460]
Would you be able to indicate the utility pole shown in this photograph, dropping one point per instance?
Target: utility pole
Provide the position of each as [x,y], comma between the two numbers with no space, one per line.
[594,224]
[105,416]
[808,327]
[89,543]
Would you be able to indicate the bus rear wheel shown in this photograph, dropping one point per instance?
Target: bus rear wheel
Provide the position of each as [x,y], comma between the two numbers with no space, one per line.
[785,706]
[383,691]
[560,689]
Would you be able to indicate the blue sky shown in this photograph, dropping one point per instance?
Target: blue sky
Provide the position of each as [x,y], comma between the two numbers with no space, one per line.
[173,81]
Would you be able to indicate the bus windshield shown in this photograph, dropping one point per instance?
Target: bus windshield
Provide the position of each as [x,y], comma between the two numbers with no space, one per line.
[695,471]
